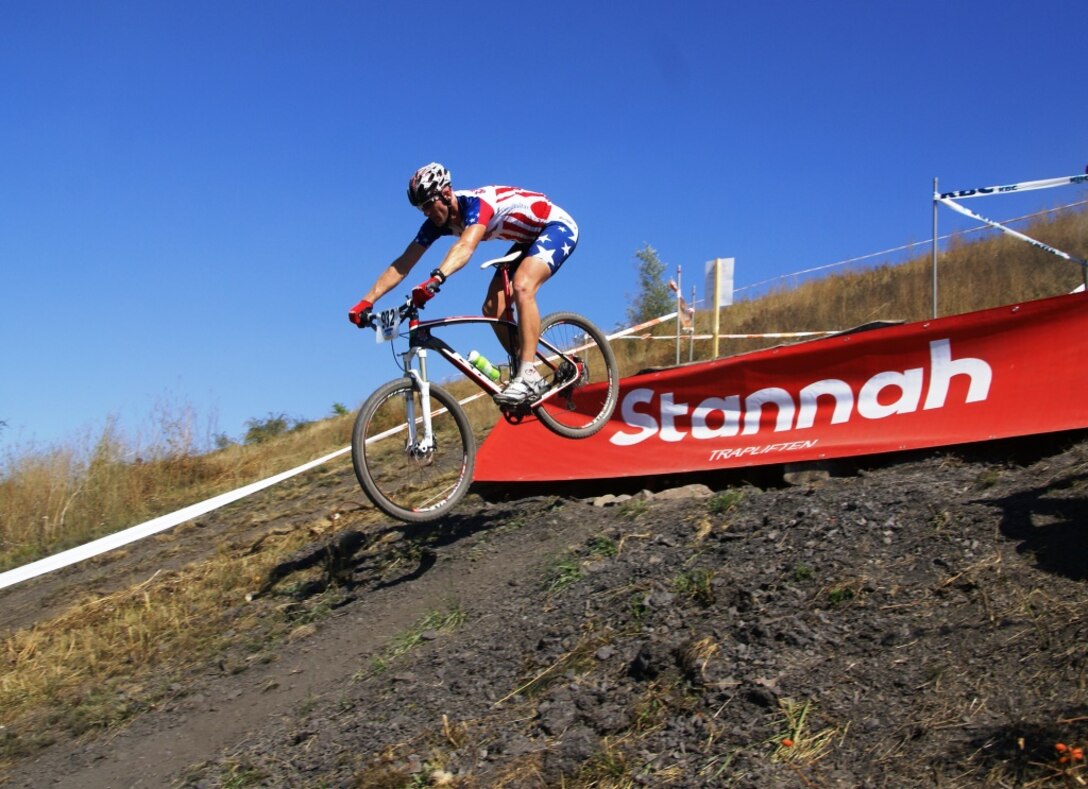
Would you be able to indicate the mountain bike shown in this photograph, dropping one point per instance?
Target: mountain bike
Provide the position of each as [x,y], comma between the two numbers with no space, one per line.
[412,445]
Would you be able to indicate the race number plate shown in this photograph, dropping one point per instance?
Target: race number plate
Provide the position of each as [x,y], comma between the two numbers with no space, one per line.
[387,325]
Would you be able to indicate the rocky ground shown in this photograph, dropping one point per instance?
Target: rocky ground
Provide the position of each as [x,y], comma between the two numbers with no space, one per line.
[915,621]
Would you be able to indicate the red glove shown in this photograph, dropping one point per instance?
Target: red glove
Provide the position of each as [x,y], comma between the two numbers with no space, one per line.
[360,314]
[424,292]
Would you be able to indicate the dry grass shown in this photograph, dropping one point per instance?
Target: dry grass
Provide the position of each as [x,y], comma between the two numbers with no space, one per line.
[107,658]
[60,497]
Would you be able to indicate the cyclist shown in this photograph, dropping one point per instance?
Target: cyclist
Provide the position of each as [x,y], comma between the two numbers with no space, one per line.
[543,231]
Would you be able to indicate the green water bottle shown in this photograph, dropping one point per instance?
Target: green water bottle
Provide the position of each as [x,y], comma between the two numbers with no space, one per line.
[484,366]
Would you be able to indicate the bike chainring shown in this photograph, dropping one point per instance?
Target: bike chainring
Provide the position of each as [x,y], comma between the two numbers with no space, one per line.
[514,414]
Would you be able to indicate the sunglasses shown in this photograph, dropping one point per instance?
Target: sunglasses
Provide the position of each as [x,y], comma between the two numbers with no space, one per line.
[425,206]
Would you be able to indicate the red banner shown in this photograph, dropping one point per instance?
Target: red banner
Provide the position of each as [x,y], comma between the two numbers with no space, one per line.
[1009,371]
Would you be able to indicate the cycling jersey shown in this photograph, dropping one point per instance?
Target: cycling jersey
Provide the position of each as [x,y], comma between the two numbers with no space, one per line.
[507,212]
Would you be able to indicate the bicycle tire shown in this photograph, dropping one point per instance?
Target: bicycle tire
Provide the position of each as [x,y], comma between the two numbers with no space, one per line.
[584,407]
[414,487]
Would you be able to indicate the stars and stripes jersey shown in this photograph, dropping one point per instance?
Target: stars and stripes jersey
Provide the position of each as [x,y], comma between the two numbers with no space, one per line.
[508,213]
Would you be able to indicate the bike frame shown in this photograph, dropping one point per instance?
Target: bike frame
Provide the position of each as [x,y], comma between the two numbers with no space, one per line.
[421,340]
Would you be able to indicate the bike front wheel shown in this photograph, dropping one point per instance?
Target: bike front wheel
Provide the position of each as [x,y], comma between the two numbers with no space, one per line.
[406,475]
[573,349]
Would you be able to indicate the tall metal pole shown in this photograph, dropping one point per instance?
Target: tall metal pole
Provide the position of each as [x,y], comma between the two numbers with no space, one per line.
[935,194]
[679,301]
[716,306]
[691,342]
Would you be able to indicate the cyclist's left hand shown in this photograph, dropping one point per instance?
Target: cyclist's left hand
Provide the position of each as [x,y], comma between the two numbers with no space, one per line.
[424,291]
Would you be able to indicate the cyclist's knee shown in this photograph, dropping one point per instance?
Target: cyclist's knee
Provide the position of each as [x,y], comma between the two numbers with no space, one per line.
[527,286]
[523,290]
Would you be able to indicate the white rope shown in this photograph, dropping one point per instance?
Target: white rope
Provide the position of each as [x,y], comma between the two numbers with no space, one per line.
[927,243]
[1015,234]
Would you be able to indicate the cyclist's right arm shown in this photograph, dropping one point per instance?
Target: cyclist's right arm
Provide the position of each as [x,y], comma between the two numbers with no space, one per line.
[396,272]
[389,279]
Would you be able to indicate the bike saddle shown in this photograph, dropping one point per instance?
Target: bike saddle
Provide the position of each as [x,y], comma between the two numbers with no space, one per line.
[504,260]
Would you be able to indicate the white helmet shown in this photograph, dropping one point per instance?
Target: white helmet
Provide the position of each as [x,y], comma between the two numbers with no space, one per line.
[427,182]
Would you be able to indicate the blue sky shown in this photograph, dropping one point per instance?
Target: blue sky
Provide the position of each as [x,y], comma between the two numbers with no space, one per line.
[193,194]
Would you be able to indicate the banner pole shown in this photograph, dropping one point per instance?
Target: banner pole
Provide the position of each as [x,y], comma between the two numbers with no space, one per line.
[691,342]
[936,192]
[679,309]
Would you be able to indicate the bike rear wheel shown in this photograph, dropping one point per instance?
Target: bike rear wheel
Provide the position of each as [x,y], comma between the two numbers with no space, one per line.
[404,478]
[585,405]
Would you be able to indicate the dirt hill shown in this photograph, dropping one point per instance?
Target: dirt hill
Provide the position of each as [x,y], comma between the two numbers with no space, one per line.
[912,621]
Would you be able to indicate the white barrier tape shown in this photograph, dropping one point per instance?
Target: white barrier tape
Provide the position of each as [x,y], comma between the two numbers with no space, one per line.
[902,248]
[644,325]
[154,526]
[1024,186]
[1015,234]
[770,336]
[164,522]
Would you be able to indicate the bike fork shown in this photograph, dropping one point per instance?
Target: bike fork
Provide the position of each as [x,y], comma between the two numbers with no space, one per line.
[416,445]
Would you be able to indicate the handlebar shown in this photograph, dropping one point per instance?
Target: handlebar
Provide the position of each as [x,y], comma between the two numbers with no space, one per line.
[406,311]
[409,311]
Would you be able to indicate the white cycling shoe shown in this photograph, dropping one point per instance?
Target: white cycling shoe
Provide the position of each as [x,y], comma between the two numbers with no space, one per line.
[520,391]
